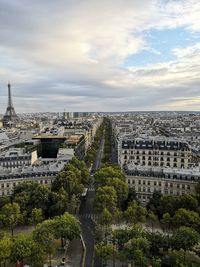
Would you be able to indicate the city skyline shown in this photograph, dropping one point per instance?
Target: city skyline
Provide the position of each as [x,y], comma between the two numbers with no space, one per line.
[100,55]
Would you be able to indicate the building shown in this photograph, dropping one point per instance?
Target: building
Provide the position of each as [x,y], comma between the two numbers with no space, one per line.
[155,151]
[168,181]
[14,158]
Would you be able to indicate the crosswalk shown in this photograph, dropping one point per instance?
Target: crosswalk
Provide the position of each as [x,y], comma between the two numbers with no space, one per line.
[89,216]
[92,189]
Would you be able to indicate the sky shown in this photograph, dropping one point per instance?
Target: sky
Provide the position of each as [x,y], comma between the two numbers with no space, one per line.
[100,55]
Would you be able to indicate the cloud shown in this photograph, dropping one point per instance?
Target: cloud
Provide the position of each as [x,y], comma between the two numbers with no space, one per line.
[71,54]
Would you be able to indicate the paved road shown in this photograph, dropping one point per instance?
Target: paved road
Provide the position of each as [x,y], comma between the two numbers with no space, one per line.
[97,162]
[87,215]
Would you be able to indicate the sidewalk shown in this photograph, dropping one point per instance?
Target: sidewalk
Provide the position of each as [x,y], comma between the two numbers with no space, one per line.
[74,254]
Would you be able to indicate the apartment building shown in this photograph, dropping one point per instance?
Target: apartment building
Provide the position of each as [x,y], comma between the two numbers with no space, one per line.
[168,181]
[15,158]
[155,151]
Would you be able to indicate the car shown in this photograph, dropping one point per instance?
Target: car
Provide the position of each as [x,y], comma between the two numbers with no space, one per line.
[84,194]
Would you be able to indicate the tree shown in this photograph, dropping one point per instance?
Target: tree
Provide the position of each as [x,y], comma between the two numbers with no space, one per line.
[197,191]
[81,166]
[30,195]
[135,213]
[43,235]
[36,216]
[152,218]
[185,238]
[136,250]
[105,217]
[188,202]
[103,174]
[4,200]
[66,227]
[10,215]
[58,202]
[132,196]
[168,204]
[5,249]
[166,221]
[154,203]
[104,251]
[105,197]
[159,243]
[120,187]
[69,181]
[185,217]
[21,247]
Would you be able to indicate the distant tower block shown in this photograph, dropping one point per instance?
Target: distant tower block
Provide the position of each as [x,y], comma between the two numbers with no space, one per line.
[10,115]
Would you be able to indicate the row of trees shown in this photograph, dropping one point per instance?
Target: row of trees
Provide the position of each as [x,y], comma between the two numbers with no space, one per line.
[107,142]
[176,211]
[92,151]
[111,189]
[176,217]
[32,202]
[35,247]
[142,248]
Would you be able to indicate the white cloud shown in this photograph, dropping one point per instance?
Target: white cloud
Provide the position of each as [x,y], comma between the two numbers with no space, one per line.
[77,49]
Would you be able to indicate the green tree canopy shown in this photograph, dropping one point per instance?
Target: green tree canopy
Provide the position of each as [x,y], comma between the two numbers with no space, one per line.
[10,215]
[135,213]
[30,195]
[105,197]
[21,247]
[103,174]
[185,217]
[185,238]
[36,216]
[5,248]
[66,226]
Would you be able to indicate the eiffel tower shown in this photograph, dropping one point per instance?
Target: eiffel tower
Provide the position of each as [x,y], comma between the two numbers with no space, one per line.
[10,115]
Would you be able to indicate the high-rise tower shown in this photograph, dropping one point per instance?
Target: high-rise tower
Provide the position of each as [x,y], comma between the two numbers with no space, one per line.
[10,115]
